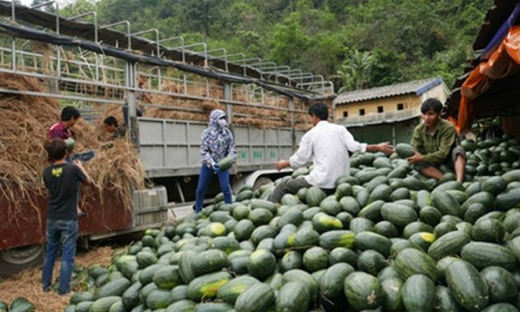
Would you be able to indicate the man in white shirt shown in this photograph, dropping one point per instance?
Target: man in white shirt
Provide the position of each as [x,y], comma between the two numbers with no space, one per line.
[327,145]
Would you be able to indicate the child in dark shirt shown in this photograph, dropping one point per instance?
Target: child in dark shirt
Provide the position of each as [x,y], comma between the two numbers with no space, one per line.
[61,179]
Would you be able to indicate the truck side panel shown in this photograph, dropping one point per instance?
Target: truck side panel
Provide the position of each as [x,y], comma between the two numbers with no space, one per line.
[171,148]
[25,225]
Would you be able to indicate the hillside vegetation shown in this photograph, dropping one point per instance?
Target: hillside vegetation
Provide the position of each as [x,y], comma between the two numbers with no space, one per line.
[357,43]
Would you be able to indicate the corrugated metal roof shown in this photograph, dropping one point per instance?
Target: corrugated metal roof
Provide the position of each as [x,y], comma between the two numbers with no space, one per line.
[418,87]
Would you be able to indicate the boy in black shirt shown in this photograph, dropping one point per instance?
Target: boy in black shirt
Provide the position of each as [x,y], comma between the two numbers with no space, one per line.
[61,179]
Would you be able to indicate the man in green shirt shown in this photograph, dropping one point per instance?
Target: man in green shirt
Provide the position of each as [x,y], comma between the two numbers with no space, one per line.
[435,144]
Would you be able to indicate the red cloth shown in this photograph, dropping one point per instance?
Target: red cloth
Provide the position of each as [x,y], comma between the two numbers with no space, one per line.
[502,63]
[58,130]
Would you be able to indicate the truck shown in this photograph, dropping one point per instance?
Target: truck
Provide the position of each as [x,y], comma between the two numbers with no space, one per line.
[99,68]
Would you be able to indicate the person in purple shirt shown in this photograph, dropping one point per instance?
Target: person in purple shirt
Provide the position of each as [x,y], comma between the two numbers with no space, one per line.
[62,130]
[217,142]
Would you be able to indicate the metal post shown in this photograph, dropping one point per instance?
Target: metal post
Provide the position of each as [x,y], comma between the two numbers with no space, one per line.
[205,64]
[243,56]
[183,59]
[291,75]
[179,189]
[230,56]
[181,38]
[276,72]
[130,83]
[319,76]
[262,64]
[293,132]
[228,96]
[58,49]
[127,23]
[288,72]
[303,76]
[225,57]
[156,31]
[95,35]
[205,46]
[246,61]
[274,69]
[159,78]
[13,43]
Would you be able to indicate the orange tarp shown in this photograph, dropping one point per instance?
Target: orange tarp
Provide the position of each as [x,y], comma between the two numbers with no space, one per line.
[503,62]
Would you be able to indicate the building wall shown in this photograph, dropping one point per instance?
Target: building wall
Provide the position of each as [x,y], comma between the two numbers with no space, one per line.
[439,92]
[398,132]
[409,101]
[390,104]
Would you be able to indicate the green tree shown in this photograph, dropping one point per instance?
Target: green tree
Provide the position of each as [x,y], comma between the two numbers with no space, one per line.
[79,7]
[355,71]
[385,69]
[200,14]
[289,41]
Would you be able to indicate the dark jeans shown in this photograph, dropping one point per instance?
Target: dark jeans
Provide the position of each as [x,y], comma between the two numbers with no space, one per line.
[66,233]
[450,161]
[289,186]
[204,178]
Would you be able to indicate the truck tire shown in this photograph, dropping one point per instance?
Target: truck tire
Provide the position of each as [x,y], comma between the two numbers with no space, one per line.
[261,181]
[13,261]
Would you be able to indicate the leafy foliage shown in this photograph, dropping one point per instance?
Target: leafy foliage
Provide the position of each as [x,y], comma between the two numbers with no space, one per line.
[361,43]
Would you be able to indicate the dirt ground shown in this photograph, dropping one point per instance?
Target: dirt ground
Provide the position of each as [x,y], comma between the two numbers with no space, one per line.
[28,283]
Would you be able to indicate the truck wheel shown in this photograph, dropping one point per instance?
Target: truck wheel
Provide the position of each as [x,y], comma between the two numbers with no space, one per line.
[261,181]
[13,261]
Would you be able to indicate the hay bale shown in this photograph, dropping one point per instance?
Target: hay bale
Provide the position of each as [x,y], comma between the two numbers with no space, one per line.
[24,124]
[248,115]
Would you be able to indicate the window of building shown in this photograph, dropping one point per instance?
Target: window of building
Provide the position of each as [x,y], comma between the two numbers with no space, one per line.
[345,114]
[400,106]
[362,112]
[380,109]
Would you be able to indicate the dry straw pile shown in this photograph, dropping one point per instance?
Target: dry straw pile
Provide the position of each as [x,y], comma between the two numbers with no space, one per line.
[273,114]
[24,124]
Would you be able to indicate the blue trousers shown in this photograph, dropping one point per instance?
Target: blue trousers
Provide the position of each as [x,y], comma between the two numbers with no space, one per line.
[66,233]
[204,178]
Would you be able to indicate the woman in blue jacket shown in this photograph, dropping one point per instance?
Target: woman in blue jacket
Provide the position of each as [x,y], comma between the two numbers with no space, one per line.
[217,142]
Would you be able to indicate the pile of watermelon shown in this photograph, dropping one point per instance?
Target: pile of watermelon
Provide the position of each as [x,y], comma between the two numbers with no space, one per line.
[387,239]
[19,304]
